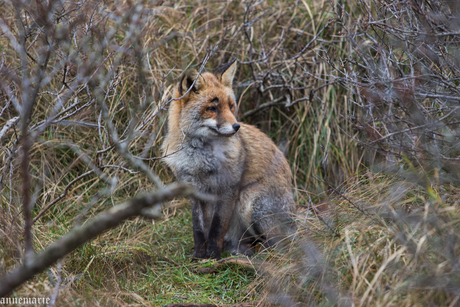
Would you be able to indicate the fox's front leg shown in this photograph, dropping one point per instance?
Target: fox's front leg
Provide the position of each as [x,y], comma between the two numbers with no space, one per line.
[219,225]
[199,232]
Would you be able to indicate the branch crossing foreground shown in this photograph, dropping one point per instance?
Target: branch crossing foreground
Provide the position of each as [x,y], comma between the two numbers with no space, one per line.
[82,234]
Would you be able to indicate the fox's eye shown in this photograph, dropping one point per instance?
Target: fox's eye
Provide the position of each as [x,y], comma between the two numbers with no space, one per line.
[211,109]
[232,106]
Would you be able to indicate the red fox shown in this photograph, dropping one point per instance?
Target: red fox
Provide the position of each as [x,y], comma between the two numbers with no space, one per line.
[206,147]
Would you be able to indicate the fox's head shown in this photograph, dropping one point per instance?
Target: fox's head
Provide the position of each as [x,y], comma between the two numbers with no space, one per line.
[207,105]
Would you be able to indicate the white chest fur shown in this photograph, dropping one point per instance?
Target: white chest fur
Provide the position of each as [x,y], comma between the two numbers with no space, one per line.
[198,157]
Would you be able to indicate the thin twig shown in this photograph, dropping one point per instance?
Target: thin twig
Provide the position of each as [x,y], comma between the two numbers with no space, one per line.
[64,194]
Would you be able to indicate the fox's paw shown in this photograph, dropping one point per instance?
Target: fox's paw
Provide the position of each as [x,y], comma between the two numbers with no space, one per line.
[200,251]
[199,256]
[213,252]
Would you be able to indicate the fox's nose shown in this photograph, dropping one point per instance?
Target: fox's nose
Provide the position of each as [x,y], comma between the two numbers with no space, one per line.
[236,126]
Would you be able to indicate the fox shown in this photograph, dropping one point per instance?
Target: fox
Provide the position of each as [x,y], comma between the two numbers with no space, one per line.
[206,147]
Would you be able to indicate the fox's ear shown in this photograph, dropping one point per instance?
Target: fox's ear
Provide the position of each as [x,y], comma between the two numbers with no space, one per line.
[227,73]
[187,81]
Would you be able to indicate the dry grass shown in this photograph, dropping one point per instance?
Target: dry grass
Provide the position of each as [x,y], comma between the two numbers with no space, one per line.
[402,251]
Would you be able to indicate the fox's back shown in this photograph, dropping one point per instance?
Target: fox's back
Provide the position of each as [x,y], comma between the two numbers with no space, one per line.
[265,162]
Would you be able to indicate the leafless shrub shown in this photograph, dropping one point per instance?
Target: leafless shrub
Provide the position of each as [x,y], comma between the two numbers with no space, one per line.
[398,234]
[404,74]
[63,89]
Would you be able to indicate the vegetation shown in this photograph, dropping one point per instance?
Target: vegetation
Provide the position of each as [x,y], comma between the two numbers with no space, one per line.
[362,96]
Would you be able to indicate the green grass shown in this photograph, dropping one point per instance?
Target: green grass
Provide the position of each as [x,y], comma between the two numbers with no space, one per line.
[153,260]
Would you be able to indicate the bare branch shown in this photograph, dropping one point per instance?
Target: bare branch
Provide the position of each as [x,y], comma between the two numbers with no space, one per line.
[81,234]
